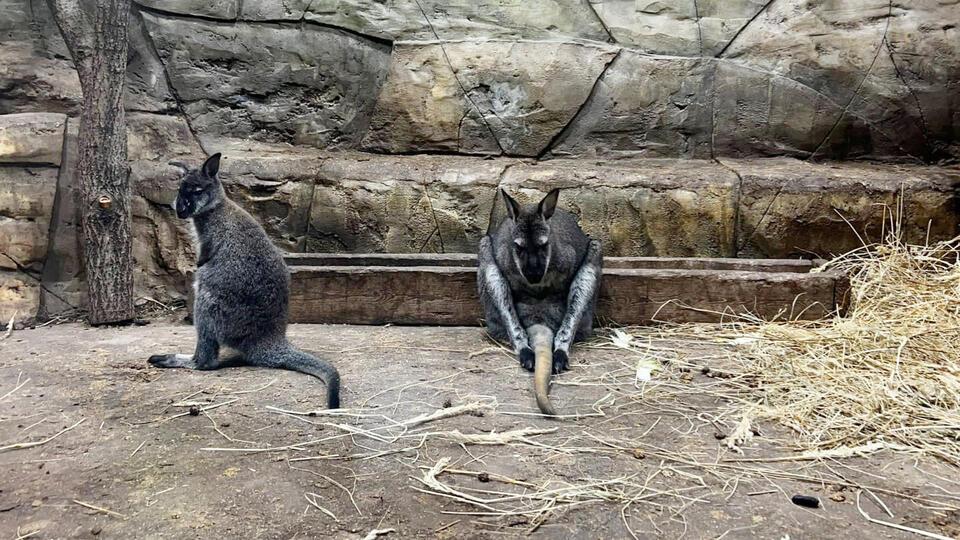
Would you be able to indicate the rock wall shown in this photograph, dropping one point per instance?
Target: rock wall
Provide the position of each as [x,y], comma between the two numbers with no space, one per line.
[693,127]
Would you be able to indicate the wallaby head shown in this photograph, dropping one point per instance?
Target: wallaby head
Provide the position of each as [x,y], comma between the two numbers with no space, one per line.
[530,228]
[200,189]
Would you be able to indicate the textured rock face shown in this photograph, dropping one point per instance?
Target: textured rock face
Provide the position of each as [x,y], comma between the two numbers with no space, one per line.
[34,138]
[646,106]
[31,81]
[408,19]
[693,79]
[26,203]
[790,208]
[483,97]
[305,98]
[281,83]
[404,205]
[887,65]
[676,27]
[19,295]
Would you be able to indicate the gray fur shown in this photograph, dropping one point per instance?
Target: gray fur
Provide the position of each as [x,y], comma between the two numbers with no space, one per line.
[242,288]
[523,282]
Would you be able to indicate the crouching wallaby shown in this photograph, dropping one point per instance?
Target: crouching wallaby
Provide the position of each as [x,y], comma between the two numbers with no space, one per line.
[241,288]
[538,278]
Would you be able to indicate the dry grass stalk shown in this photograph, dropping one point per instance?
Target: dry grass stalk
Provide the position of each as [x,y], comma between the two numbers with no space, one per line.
[23,446]
[100,509]
[9,326]
[505,437]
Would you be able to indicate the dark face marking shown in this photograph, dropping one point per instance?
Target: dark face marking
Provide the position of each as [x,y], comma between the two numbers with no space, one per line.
[531,236]
[531,247]
[198,189]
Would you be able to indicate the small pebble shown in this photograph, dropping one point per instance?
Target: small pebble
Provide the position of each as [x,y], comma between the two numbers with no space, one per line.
[483,477]
[194,410]
[638,453]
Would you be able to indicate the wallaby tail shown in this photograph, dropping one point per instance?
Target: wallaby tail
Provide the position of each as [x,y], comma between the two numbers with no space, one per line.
[541,340]
[286,356]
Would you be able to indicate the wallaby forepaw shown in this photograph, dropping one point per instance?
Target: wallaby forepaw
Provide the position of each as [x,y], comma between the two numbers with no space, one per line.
[527,358]
[561,361]
[171,361]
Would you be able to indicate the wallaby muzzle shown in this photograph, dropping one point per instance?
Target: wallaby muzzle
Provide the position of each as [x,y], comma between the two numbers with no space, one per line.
[183,207]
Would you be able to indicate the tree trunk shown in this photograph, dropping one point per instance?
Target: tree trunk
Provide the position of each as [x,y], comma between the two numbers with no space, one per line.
[98,43]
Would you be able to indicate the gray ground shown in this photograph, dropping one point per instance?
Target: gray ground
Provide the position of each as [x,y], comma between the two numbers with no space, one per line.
[655,459]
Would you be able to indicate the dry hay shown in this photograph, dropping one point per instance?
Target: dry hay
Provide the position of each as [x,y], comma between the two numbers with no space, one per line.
[885,376]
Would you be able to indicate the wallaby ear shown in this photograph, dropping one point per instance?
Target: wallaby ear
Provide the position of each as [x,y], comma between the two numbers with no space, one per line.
[549,203]
[513,207]
[211,166]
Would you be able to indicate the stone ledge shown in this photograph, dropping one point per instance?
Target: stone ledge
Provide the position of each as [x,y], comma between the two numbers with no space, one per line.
[32,138]
[360,202]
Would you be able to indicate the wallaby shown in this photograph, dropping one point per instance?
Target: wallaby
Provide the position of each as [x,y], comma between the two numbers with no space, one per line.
[241,288]
[538,276]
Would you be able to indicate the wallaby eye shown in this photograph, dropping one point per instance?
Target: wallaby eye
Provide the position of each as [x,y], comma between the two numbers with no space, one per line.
[519,243]
[542,240]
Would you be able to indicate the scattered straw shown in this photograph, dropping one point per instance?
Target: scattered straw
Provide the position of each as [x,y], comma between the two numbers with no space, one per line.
[100,509]
[312,499]
[23,446]
[378,532]
[887,373]
[897,526]
[9,327]
[18,386]
[885,376]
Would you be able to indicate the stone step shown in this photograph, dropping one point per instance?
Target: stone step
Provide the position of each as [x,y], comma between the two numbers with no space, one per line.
[759,208]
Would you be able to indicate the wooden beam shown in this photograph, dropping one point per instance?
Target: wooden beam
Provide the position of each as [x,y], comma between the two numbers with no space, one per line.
[441,289]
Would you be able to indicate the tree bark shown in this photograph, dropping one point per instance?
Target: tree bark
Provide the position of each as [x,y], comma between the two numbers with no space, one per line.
[97,39]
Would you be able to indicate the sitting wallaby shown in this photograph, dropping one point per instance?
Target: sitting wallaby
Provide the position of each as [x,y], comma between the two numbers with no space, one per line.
[538,278]
[241,288]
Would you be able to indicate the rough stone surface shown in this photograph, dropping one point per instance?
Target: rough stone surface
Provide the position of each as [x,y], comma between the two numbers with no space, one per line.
[63,289]
[757,113]
[677,27]
[26,200]
[275,183]
[18,295]
[147,88]
[403,19]
[789,208]
[483,97]
[216,9]
[31,138]
[646,106]
[880,61]
[402,205]
[32,80]
[276,83]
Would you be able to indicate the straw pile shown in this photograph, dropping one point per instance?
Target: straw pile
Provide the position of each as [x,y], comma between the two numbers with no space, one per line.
[885,376]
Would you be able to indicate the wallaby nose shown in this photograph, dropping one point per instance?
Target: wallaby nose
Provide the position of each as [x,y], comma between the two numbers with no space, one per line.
[182,208]
[533,278]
